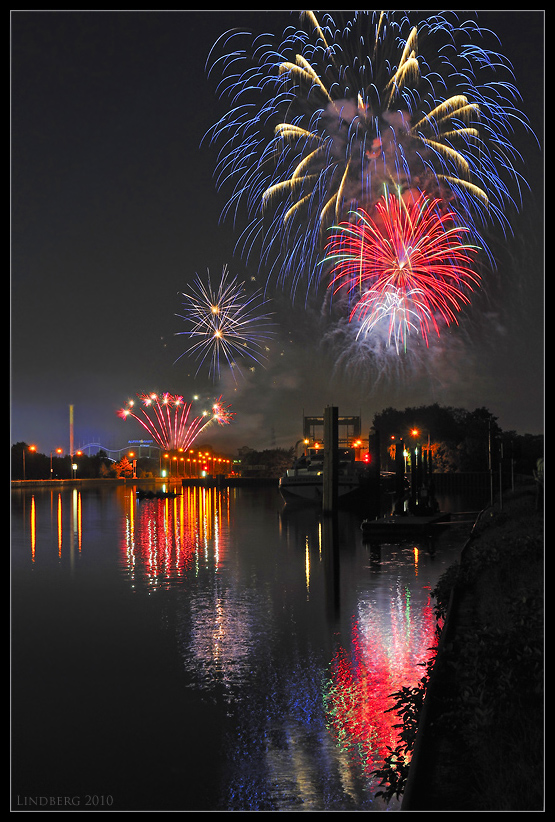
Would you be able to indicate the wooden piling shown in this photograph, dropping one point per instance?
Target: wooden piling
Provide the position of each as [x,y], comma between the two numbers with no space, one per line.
[331,457]
[399,477]
[374,471]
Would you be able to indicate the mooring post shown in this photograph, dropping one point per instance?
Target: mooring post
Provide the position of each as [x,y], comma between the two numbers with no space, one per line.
[330,553]
[331,443]
[374,472]
[399,504]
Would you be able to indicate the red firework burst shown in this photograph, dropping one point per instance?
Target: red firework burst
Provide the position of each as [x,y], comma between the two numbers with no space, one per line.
[406,265]
[170,421]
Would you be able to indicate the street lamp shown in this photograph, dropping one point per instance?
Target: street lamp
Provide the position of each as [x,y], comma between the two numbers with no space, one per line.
[74,465]
[31,448]
[58,451]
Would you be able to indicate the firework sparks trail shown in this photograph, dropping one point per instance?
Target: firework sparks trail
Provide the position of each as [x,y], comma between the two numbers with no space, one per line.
[318,123]
[407,266]
[169,419]
[225,323]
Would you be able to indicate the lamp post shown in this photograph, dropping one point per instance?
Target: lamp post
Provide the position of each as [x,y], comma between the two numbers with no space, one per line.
[422,472]
[73,464]
[305,443]
[58,451]
[31,448]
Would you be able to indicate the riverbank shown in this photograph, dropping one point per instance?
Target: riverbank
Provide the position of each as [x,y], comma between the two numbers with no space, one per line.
[480,742]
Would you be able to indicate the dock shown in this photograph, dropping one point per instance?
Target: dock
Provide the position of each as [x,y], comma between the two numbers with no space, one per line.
[401,525]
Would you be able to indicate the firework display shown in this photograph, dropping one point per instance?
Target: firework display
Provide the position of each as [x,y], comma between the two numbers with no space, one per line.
[407,266]
[170,421]
[320,121]
[225,323]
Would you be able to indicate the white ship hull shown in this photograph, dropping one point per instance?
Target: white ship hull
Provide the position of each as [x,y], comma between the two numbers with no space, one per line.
[309,489]
[307,484]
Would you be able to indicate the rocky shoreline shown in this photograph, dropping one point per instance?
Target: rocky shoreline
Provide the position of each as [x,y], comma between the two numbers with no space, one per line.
[480,740]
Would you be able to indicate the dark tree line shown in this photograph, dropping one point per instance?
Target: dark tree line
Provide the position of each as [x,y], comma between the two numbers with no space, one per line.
[32,465]
[270,462]
[461,440]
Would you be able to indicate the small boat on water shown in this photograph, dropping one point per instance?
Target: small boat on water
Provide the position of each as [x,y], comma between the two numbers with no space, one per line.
[304,482]
[141,494]
[402,525]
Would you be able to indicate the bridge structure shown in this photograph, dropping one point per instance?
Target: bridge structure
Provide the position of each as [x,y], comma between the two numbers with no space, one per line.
[140,448]
[196,462]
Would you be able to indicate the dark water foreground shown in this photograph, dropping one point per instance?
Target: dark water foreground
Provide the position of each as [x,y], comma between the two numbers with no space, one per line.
[215,651]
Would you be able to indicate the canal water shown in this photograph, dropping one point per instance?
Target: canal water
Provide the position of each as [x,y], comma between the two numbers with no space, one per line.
[216,651]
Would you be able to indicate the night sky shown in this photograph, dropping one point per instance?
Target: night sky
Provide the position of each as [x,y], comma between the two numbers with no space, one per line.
[114,210]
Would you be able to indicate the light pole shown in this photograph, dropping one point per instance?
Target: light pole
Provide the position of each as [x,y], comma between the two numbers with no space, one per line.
[58,451]
[305,443]
[31,448]
[74,464]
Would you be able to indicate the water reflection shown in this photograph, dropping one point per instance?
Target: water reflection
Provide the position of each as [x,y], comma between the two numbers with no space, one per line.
[293,630]
[164,539]
[60,511]
[389,641]
[284,757]
[33,529]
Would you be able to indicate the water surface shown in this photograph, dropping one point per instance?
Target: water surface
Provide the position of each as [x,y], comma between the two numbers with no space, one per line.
[213,651]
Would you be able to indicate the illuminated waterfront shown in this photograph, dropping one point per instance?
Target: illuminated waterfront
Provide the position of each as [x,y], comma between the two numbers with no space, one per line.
[201,652]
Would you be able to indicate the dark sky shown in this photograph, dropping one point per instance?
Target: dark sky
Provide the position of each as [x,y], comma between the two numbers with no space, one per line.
[114,210]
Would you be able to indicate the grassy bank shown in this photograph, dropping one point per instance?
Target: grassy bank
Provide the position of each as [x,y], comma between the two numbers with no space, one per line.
[480,738]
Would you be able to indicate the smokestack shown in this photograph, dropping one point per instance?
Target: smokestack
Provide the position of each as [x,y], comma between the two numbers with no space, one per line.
[71,430]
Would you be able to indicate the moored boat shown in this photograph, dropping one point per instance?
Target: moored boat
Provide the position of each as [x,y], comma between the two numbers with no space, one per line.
[304,482]
[402,524]
[141,494]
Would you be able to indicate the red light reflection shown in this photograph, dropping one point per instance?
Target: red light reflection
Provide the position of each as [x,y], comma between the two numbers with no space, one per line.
[388,651]
[165,538]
